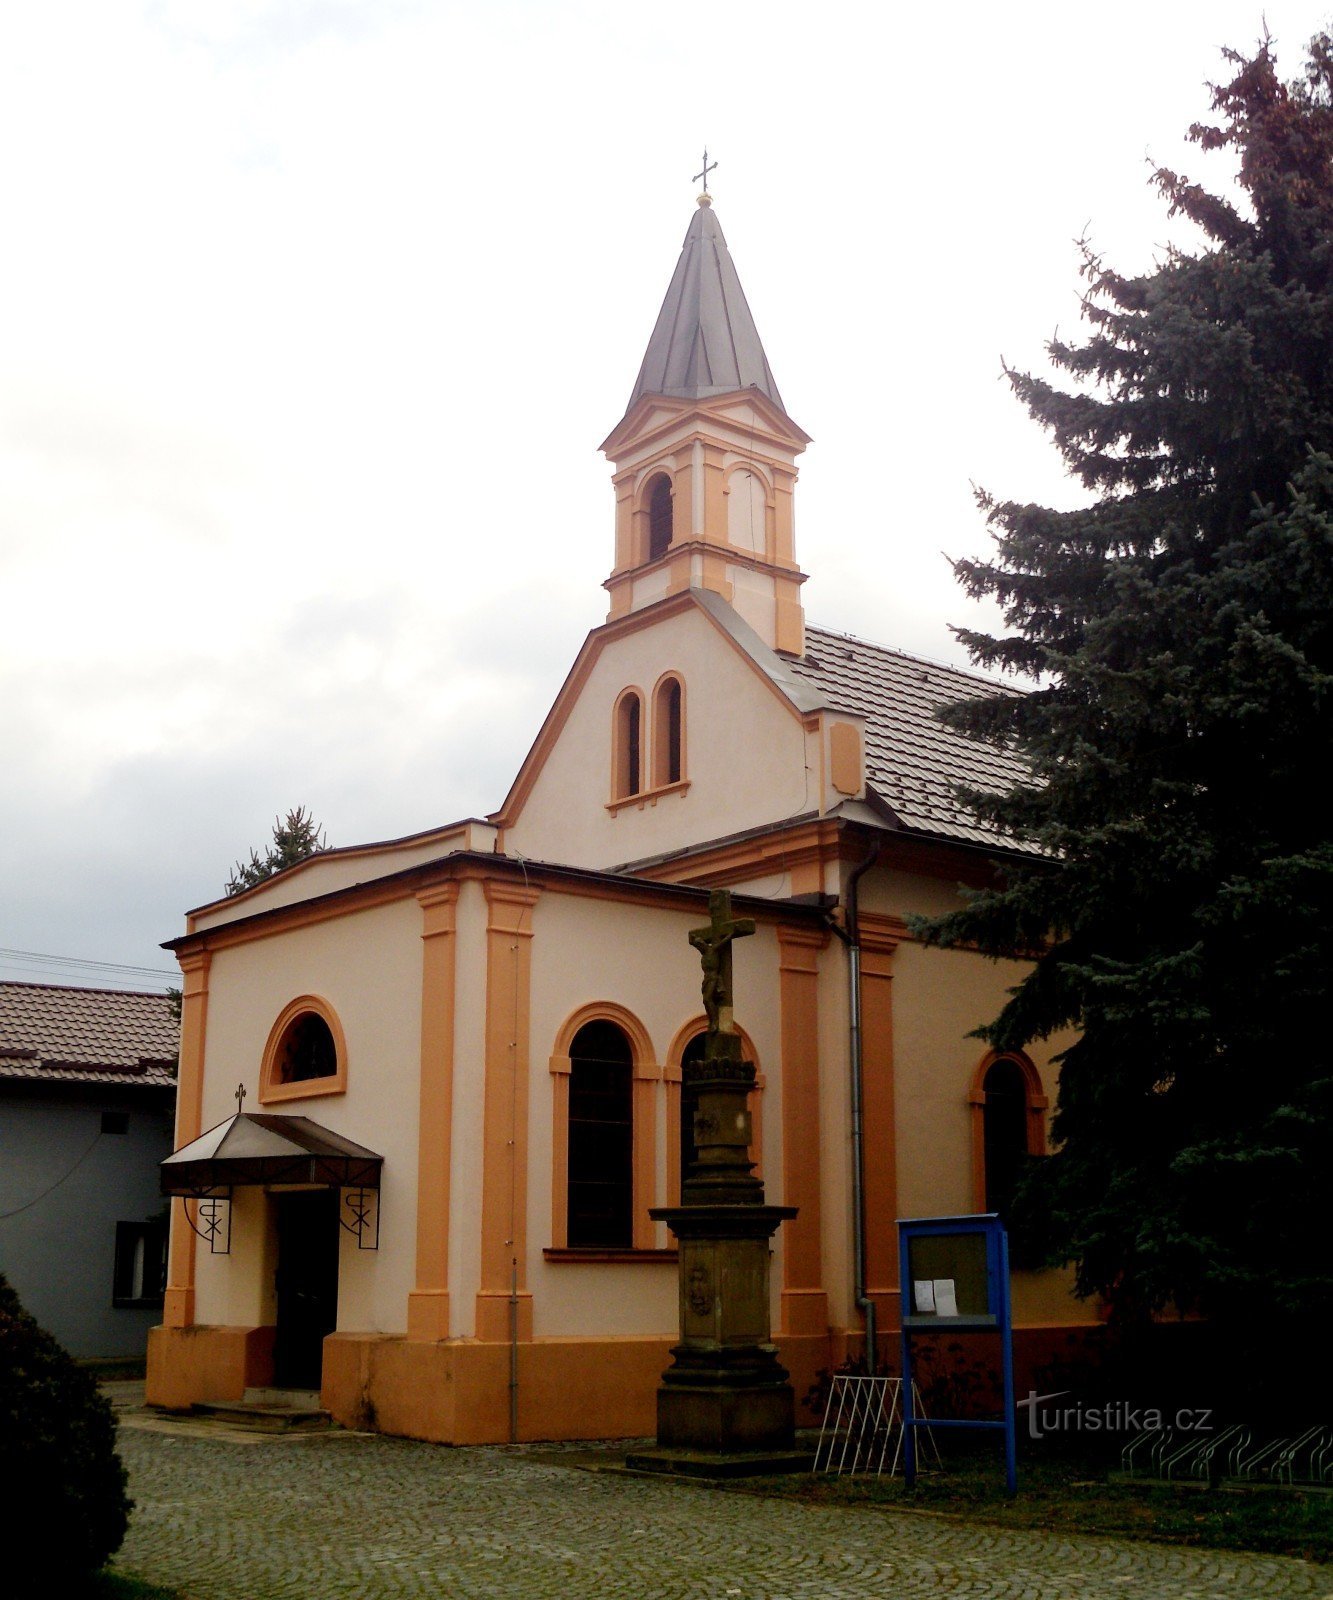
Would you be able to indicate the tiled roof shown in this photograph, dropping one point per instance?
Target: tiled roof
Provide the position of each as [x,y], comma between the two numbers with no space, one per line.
[913,762]
[55,1034]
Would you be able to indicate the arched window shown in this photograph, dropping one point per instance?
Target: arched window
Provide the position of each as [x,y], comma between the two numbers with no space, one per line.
[307,1050]
[626,746]
[305,1054]
[668,732]
[605,1079]
[601,1139]
[694,1052]
[1008,1127]
[660,519]
[1004,1119]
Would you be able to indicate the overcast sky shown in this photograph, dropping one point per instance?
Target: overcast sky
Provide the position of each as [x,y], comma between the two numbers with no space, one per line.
[314,312]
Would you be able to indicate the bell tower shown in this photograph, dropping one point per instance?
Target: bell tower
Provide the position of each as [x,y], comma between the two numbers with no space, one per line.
[705,456]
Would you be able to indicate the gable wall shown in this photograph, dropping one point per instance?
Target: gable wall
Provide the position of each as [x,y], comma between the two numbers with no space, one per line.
[341,869]
[745,755]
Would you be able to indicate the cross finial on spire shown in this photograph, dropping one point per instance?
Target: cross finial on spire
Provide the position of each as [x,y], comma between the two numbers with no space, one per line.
[702,178]
[240,1096]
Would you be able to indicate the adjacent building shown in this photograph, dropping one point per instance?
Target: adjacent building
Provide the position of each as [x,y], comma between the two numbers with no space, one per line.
[87,1099]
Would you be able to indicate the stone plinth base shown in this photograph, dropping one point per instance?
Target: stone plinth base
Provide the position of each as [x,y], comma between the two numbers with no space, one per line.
[698,1417]
[715,1464]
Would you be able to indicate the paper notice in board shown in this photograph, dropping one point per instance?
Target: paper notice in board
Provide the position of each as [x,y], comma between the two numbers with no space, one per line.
[946,1300]
[923,1290]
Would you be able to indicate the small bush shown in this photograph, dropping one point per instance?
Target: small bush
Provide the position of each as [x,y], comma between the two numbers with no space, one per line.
[66,1509]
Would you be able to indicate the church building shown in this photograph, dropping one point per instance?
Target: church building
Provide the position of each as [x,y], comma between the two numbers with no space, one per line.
[430,1088]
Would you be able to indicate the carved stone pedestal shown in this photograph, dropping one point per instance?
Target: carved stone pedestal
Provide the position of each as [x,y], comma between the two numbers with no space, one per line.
[725,1390]
[725,1407]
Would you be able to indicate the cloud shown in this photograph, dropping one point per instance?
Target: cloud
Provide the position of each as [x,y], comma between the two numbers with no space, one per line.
[314,314]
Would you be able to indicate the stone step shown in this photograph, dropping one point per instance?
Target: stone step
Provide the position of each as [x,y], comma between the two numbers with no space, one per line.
[301,1399]
[261,1418]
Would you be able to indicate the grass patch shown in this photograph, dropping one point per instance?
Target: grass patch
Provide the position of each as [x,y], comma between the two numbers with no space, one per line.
[1073,1495]
[112,1584]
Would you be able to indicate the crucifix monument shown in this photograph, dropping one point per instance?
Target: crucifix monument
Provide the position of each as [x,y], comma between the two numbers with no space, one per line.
[725,1406]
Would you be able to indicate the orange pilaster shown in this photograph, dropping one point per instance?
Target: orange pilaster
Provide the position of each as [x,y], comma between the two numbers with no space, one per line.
[879,1121]
[428,1304]
[503,1295]
[804,1300]
[178,1302]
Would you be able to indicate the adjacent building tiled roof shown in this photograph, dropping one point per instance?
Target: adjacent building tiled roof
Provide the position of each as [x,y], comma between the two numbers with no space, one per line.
[913,762]
[705,341]
[56,1034]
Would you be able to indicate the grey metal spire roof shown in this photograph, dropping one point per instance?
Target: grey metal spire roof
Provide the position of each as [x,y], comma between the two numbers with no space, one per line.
[705,341]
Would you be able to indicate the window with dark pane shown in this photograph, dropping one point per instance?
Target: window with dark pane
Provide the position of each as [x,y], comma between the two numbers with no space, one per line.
[689,1100]
[601,1139]
[307,1050]
[666,722]
[626,757]
[139,1271]
[659,517]
[1005,1131]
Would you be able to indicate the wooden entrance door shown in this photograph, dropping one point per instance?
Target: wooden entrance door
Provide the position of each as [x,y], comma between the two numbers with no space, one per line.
[307,1285]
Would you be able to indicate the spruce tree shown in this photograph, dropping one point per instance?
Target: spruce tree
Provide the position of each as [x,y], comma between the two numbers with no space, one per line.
[294,839]
[1180,629]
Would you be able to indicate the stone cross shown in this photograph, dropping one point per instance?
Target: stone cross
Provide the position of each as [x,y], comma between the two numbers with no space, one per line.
[714,946]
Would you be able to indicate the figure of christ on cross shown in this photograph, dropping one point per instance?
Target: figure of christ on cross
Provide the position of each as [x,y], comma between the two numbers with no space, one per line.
[714,946]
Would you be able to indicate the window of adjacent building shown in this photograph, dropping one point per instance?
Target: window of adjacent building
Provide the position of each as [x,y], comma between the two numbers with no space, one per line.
[627,746]
[601,1138]
[1004,1120]
[668,725]
[306,1050]
[139,1273]
[660,518]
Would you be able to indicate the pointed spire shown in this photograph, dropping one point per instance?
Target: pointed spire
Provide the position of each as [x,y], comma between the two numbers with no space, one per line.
[705,341]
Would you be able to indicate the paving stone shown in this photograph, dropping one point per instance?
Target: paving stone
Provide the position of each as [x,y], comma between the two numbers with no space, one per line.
[363,1517]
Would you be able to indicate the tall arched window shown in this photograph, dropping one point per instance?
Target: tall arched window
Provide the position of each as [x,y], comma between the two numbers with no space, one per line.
[601,1139]
[1008,1127]
[1004,1120]
[694,1051]
[626,746]
[668,733]
[660,519]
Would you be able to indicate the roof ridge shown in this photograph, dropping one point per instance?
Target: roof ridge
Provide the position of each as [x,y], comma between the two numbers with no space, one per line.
[909,655]
[79,988]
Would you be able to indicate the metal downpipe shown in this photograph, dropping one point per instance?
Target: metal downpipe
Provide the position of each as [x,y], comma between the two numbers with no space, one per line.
[851,937]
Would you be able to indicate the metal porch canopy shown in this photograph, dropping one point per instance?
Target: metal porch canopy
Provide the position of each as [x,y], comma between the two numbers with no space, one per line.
[254,1148]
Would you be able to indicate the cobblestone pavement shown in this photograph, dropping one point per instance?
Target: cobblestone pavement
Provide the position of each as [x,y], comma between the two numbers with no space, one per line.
[361,1517]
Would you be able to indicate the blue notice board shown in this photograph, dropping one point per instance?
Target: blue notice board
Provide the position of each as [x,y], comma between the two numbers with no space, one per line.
[954,1275]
